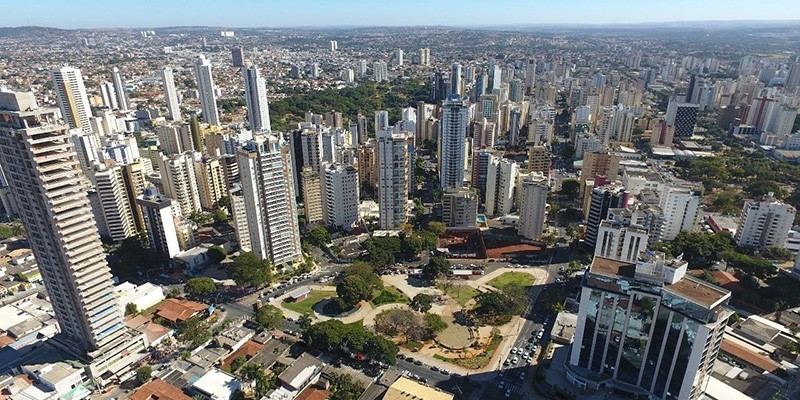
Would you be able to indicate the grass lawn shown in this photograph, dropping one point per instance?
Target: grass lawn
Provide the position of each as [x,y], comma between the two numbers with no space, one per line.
[477,362]
[512,277]
[462,293]
[306,305]
[388,295]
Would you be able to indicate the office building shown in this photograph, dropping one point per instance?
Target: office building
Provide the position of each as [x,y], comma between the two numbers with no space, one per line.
[117,212]
[170,94]
[533,203]
[682,116]
[72,99]
[255,93]
[159,223]
[340,195]
[179,181]
[618,238]
[266,176]
[205,89]
[119,89]
[237,56]
[453,133]
[764,223]
[394,161]
[311,186]
[679,206]
[603,198]
[501,178]
[459,208]
[647,329]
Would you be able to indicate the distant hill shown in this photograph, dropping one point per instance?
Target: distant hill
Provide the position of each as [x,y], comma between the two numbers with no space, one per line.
[21,31]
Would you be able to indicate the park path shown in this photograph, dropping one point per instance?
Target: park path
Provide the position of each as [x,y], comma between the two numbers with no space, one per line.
[364,309]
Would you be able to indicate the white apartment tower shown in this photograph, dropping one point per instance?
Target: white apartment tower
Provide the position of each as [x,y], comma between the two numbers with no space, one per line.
[451,139]
[240,217]
[393,182]
[159,222]
[119,89]
[255,90]
[117,212]
[459,208]
[174,139]
[618,239]
[205,88]
[180,181]
[765,223]
[340,195]
[72,98]
[109,95]
[265,170]
[680,206]
[170,94]
[501,177]
[533,202]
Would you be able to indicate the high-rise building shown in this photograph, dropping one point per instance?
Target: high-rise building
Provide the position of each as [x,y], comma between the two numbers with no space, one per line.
[205,88]
[86,149]
[761,111]
[603,198]
[311,148]
[601,163]
[530,77]
[459,208]
[72,98]
[765,223]
[239,209]
[782,120]
[210,176]
[180,181]
[539,160]
[368,164]
[679,206]
[159,221]
[425,57]
[44,175]
[683,117]
[394,161]
[266,177]
[380,71]
[255,90]
[398,57]
[381,121]
[170,94]
[496,77]
[533,202]
[340,195]
[119,89]
[455,79]
[620,239]
[515,90]
[237,55]
[110,187]
[109,95]
[453,133]
[174,139]
[647,329]
[311,186]
[500,180]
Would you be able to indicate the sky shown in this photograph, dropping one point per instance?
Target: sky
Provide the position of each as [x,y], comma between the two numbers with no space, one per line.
[289,13]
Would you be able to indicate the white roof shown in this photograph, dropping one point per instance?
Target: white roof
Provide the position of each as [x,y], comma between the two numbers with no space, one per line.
[218,384]
[719,390]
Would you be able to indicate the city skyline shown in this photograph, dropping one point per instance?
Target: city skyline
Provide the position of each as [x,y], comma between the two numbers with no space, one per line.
[94,14]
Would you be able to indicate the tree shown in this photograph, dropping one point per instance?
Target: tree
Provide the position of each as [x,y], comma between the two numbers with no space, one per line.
[200,218]
[381,349]
[304,322]
[238,363]
[249,270]
[143,374]
[220,216]
[352,289]
[216,254]
[225,201]
[344,387]
[422,302]
[268,317]
[131,309]
[200,287]
[570,188]
[434,322]
[325,335]
[319,236]
[435,267]
[396,322]
[437,228]
[194,332]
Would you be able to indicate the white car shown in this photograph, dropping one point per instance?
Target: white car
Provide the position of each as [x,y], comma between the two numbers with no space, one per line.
[540,334]
[514,350]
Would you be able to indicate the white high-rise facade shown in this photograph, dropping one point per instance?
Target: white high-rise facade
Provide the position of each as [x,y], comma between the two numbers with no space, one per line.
[72,98]
[340,195]
[501,177]
[255,90]
[455,79]
[119,89]
[159,221]
[451,139]
[679,206]
[205,88]
[380,71]
[265,171]
[765,223]
[117,211]
[381,121]
[44,175]
[533,202]
[180,182]
[398,56]
[618,239]
[109,95]
[393,183]
[170,94]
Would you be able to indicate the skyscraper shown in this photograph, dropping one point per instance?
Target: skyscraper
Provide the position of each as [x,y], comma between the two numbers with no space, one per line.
[393,183]
[72,98]
[764,223]
[381,120]
[311,188]
[255,91]
[109,95]
[180,182]
[340,195]
[459,208]
[533,202]
[451,139]
[159,223]
[380,71]
[119,89]
[265,170]
[398,57]
[170,94]
[603,199]
[205,88]
[455,79]
[679,206]
[530,77]
[45,176]
[500,180]
[116,207]
[683,117]
[237,56]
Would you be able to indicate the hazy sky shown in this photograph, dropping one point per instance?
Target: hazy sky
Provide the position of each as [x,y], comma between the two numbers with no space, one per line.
[281,13]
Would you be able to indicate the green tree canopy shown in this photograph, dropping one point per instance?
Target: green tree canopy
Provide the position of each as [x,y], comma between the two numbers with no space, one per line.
[352,289]
[143,374]
[200,287]
[319,236]
[268,317]
[216,254]
[570,188]
[434,322]
[437,228]
[249,270]
[436,266]
[344,387]
[421,302]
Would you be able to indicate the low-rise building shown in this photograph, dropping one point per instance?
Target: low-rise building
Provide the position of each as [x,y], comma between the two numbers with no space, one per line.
[216,385]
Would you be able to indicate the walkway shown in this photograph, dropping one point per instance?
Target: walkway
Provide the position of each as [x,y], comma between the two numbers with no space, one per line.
[364,309]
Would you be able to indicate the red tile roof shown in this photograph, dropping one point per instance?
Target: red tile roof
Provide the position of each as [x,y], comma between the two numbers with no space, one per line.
[312,393]
[748,356]
[179,310]
[159,390]
[248,350]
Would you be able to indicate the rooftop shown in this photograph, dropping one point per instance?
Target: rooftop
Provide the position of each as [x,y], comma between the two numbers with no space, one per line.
[218,384]
[158,390]
[406,389]
[177,310]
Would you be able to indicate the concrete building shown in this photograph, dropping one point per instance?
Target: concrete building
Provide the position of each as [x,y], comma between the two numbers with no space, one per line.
[619,239]
[340,195]
[266,177]
[682,116]
[175,139]
[539,160]
[205,88]
[368,164]
[647,329]
[311,148]
[500,181]
[394,161]
[237,57]
[603,198]
[311,186]
[533,203]
[170,94]
[680,207]
[764,223]
[179,181]
[459,208]
[72,98]
[159,223]
[119,218]
[119,89]
[602,163]
[240,217]
[451,139]
[210,176]
[255,93]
